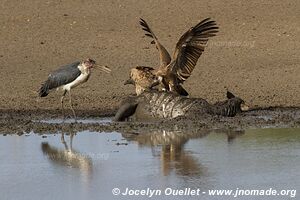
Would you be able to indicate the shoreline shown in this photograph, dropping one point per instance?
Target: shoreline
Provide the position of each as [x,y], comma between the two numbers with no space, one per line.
[22,122]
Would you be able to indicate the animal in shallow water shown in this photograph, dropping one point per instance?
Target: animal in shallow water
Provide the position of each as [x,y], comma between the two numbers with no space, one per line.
[172,72]
[166,105]
[68,77]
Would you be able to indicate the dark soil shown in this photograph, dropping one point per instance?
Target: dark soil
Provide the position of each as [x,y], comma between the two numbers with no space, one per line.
[25,122]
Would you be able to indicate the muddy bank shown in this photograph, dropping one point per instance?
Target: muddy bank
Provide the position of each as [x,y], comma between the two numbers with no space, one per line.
[30,121]
[244,57]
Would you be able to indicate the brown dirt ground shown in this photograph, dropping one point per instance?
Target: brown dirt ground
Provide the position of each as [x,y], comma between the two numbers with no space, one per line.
[256,54]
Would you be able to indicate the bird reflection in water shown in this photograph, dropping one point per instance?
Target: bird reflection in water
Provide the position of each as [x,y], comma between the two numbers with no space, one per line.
[233,134]
[169,146]
[68,157]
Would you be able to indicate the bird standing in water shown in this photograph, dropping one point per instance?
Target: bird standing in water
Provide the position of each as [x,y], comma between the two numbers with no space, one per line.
[68,77]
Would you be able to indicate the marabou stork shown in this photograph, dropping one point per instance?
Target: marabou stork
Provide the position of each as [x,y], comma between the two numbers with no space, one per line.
[68,77]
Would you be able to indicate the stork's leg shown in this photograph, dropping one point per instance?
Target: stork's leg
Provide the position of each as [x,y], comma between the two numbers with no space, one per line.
[71,105]
[63,140]
[62,103]
[71,141]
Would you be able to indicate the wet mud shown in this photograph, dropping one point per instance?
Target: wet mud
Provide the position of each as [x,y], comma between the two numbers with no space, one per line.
[12,122]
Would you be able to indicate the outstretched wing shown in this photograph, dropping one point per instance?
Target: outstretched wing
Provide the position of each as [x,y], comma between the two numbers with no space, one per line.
[164,56]
[190,47]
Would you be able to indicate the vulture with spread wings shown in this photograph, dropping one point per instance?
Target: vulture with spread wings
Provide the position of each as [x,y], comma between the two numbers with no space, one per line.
[173,71]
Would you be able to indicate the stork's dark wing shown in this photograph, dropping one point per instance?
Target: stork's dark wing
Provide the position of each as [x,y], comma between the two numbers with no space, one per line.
[62,76]
[164,56]
[190,47]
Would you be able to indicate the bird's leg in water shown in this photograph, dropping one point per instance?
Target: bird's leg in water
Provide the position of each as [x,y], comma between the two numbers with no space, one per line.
[71,105]
[62,103]
[71,141]
[63,141]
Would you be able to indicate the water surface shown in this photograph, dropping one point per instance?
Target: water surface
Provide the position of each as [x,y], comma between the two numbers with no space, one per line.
[89,167]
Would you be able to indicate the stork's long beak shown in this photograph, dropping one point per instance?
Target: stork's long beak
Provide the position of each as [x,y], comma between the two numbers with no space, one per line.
[103,68]
[244,107]
[129,81]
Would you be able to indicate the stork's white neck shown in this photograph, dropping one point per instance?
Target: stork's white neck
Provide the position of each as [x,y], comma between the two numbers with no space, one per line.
[84,69]
[84,76]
